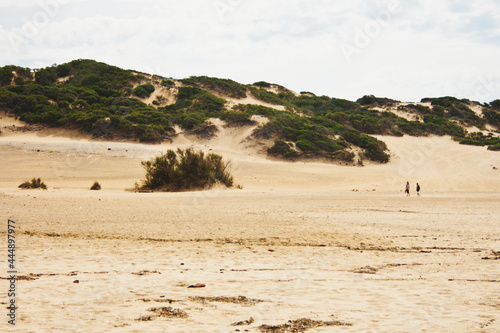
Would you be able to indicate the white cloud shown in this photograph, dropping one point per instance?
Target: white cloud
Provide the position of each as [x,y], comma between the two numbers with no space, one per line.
[429,48]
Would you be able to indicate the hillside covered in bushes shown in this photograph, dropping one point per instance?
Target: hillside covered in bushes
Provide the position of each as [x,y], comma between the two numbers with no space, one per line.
[112,103]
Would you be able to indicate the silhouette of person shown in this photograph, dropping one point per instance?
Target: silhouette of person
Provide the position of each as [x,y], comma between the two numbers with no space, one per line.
[418,189]
[407,189]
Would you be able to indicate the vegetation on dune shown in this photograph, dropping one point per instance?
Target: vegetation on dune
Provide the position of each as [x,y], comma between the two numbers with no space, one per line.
[495,147]
[193,107]
[479,139]
[492,117]
[96,186]
[236,119]
[14,74]
[184,170]
[495,104]
[35,183]
[454,109]
[269,97]
[224,87]
[101,99]
[283,149]
[144,90]
[262,84]
[95,98]
[376,101]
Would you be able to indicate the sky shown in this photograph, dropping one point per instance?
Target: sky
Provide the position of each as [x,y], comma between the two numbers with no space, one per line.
[405,50]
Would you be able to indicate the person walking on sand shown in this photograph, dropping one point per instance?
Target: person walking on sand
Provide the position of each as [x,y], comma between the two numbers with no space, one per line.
[407,189]
[418,189]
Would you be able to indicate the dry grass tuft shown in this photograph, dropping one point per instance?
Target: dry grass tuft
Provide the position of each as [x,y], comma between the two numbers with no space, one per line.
[35,183]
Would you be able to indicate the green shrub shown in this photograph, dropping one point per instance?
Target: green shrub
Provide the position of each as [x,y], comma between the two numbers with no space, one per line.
[206,130]
[168,83]
[96,186]
[269,97]
[372,100]
[377,155]
[196,100]
[252,109]
[492,117]
[282,149]
[262,84]
[143,91]
[185,170]
[237,119]
[46,76]
[374,148]
[6,75]
[415,108]
[495,147]
[495,104]
[35,183]
[470,142]
[221,86]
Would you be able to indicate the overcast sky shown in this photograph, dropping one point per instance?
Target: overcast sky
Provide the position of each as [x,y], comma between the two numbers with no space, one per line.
[404,50]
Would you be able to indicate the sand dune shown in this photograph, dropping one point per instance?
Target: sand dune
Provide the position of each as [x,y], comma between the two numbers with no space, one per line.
[301,240]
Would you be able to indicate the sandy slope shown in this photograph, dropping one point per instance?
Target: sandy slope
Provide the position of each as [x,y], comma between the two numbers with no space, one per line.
[303,240]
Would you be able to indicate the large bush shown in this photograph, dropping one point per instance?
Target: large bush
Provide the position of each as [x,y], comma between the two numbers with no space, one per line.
[184,170]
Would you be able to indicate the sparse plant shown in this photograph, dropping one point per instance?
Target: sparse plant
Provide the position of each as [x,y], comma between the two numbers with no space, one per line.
[96,186]
[35,183]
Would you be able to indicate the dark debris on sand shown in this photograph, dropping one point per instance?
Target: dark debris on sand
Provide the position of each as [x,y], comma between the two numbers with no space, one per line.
[495,255]
[299,326]
[242,300]
[164,312]
[244,322]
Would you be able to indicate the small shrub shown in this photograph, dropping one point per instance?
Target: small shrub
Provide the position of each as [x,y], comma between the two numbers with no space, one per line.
[144,90]
[371,100]
[184,170]
[35,183]
[262,84]
[96,186]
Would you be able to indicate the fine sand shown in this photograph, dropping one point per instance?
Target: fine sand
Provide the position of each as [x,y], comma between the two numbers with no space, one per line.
[337,245]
